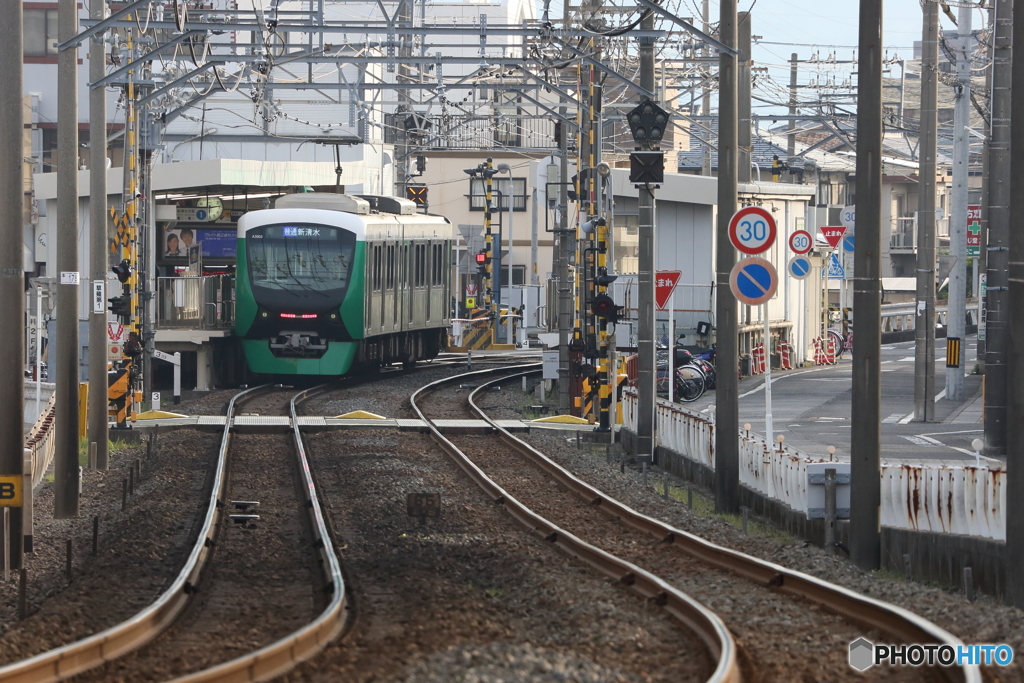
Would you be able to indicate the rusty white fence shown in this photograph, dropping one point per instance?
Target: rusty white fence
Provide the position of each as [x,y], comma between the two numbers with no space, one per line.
[39,444]
[960,499]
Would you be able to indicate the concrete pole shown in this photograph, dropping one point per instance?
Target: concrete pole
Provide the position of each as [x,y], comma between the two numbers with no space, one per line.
[98,246]
[997,246]
[791,137]
[865,489]
[534,275]
[66,473]
[12,286]
[566,247]
[727,454]
[647,377]
[955,318]
[744,144]
[924,323]
[1015,301]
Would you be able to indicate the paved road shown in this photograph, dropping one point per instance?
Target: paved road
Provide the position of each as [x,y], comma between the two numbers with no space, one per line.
[811,407]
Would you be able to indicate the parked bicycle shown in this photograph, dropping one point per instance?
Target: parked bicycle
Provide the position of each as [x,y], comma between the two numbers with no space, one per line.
[694,374]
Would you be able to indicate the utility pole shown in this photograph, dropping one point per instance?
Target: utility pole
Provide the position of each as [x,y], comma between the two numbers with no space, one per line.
[957,311]
[66,469]
[744,144]
[646,377]
[727,454]
[924,326]
[98,246]
[865,489]
[791,127]
[566,247]
[705,107]
[12,284]
[996,298]
[1015,300]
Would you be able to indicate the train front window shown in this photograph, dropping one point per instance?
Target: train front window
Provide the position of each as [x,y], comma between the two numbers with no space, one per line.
[300,256]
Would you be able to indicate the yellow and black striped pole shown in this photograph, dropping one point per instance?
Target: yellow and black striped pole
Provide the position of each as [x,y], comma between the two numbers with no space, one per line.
[490,301]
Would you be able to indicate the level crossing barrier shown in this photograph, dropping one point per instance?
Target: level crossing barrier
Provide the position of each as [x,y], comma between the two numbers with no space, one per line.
[952,499]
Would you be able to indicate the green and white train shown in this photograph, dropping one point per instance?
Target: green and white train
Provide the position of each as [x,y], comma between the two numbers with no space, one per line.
[326,282]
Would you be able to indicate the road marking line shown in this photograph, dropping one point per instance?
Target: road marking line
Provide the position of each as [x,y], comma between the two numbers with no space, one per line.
[907,418]
[892,418]
[906,359]
[955,448]
[776,379]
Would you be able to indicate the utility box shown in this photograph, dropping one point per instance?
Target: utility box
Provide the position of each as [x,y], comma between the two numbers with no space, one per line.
[816,489]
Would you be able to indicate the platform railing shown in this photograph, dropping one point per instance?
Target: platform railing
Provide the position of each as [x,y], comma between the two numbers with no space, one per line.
[204,303]
[951,499]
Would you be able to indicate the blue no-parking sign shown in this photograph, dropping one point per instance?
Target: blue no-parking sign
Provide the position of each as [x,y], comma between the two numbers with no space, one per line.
[848,243]
[753,281]
[799,267]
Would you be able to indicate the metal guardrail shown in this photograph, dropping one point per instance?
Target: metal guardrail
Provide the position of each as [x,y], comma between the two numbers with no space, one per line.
[901,317]
[888,618]
[965,499]
[203,303]
[704,623]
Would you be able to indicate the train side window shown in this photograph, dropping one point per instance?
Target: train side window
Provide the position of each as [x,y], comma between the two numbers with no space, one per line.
[420,266]
[377,256]
[437,265]
[390,280]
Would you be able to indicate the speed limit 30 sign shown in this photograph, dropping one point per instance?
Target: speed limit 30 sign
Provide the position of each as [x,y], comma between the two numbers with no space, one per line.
[752,230]
[800,242]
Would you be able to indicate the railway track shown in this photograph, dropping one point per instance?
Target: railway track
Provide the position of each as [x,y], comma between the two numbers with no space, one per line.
[236,593]
[764,606]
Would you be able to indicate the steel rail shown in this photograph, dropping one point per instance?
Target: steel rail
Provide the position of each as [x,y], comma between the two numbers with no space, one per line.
[875,614]
[706,625]
[81,655]
[295,648]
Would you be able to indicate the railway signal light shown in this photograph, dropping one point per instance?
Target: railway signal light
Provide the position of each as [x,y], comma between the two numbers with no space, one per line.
[647,168]
[647,123]
[123,271]
[603,306]
[603,279]
[417,193]
[421,164]
[121,306]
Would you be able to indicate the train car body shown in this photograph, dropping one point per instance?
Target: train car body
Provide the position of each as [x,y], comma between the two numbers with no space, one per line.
[326,282]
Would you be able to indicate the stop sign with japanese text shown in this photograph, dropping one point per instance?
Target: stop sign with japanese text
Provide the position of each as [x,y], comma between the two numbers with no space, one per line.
[664,284]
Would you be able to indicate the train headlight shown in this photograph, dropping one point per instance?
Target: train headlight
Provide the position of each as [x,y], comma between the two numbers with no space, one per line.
[264,314]
[333,316]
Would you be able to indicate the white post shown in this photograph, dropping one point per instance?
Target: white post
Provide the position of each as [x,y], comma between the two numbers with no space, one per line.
[39,348]
[155,402]
[769,428]
[177,377]
[671,346]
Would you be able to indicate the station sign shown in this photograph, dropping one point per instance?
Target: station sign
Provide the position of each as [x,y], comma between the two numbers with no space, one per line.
[752,230]
[753,281]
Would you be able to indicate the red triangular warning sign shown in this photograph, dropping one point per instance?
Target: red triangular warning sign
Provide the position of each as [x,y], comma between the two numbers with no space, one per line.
[664,284]
[832,234]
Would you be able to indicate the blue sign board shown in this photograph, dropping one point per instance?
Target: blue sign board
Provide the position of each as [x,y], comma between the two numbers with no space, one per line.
[799,267]
[848,244]
[835,269]
[219,243]
[753,281]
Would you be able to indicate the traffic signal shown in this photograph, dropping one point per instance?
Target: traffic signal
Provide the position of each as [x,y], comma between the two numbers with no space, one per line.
[123,271]
[417,193]
[481,262]
[421,164]
[121,306]
[647,123]
[603,306]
